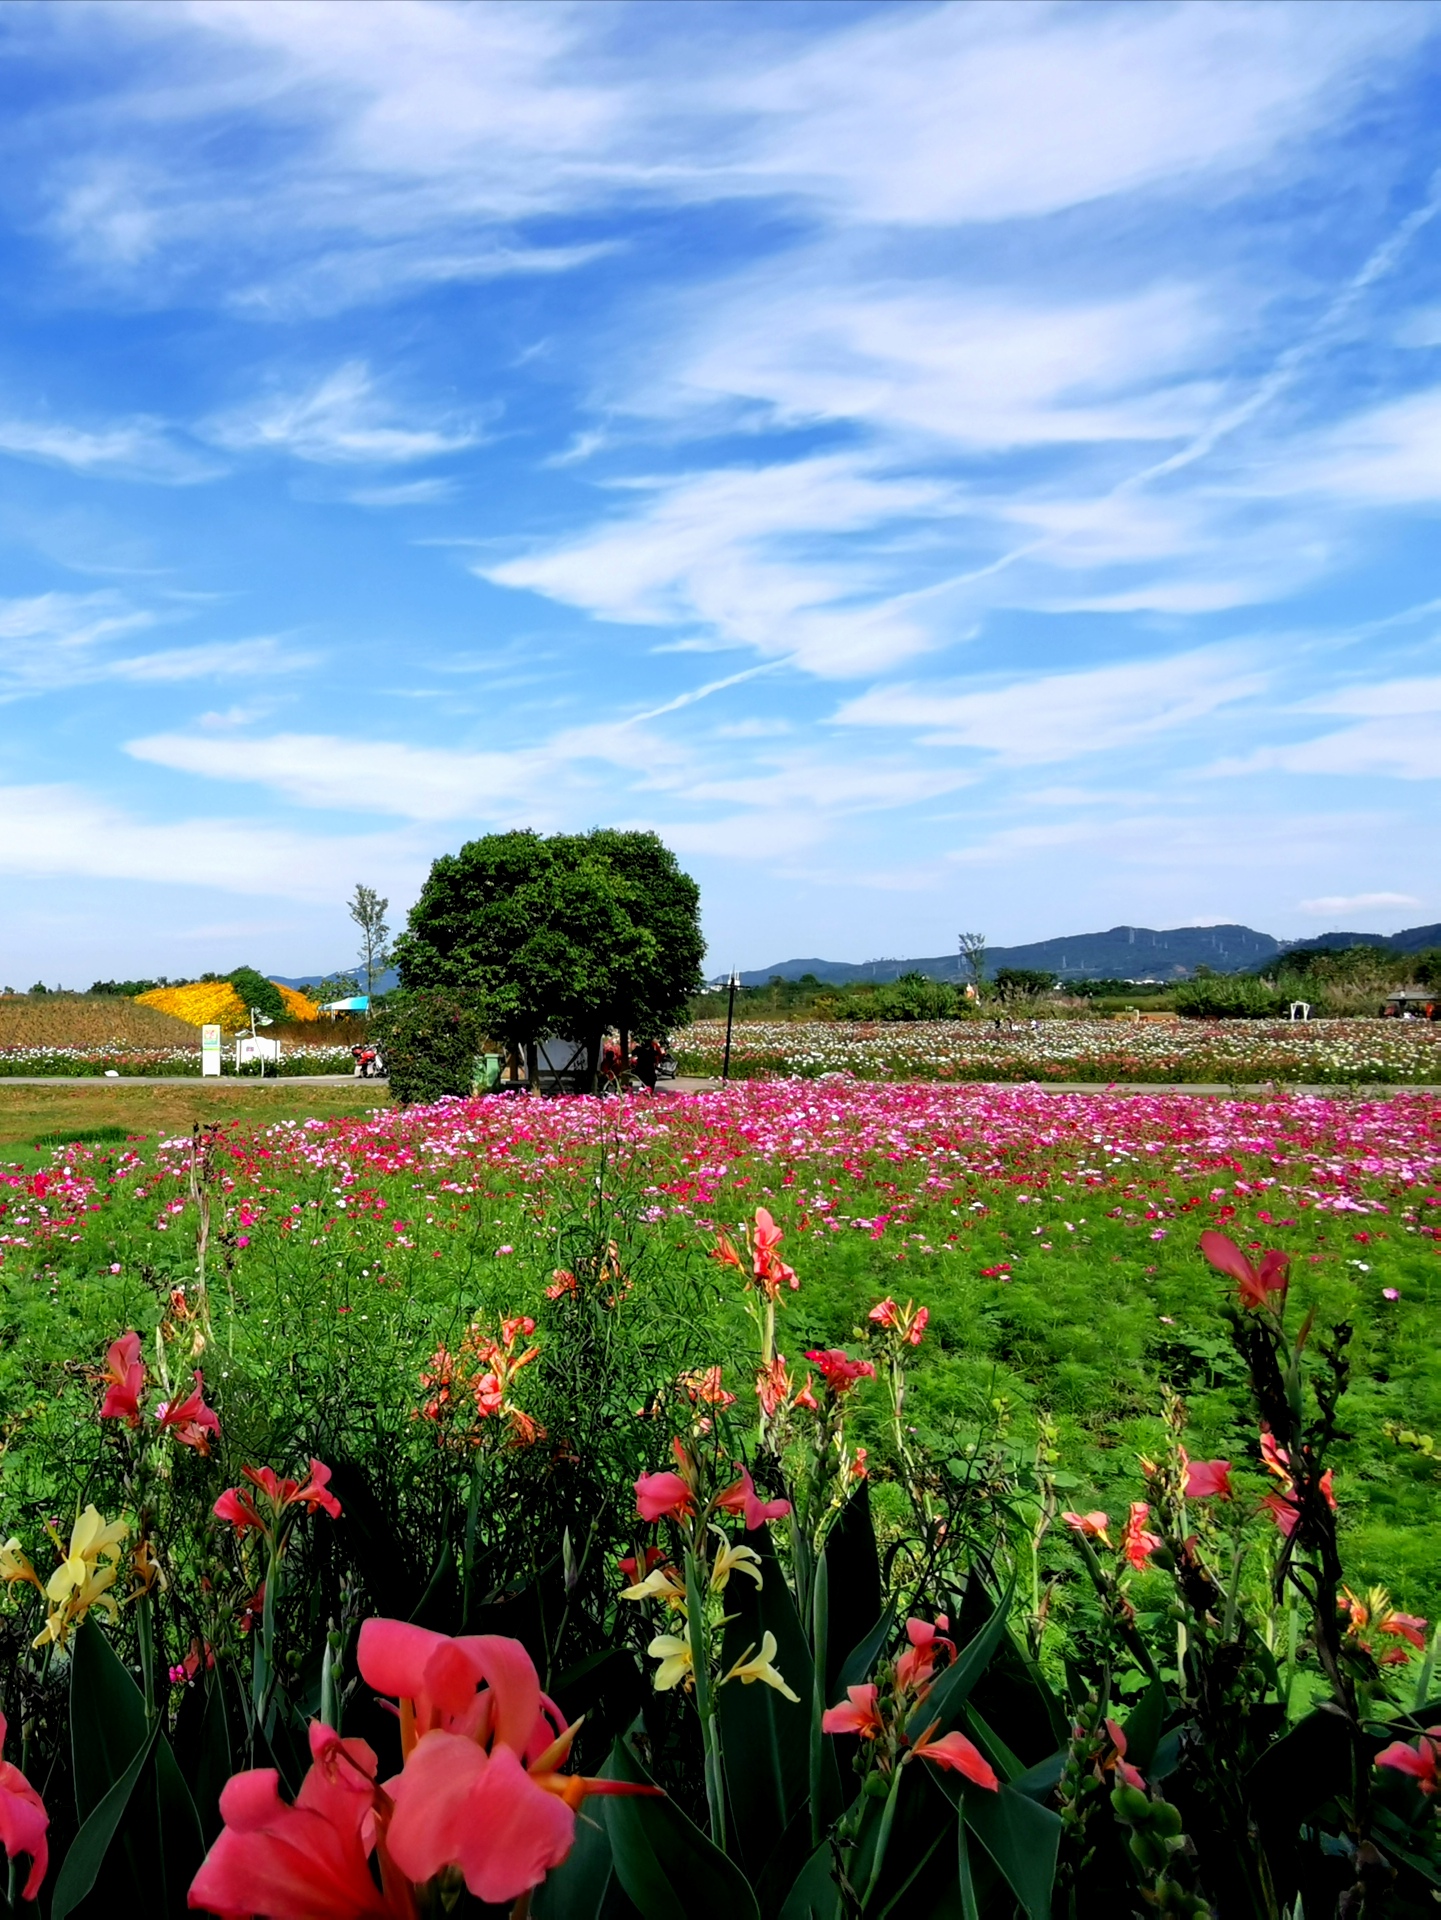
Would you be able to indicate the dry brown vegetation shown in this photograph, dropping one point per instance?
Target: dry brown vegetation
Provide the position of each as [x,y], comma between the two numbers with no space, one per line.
[89,1020]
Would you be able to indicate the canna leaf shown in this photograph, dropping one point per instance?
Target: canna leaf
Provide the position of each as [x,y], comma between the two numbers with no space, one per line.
[664,1862]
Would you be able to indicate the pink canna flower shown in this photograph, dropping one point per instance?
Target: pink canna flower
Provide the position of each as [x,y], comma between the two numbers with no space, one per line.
[481,1788]
[1419,1761]
[663,1496]
[743,1498]
[309,1860]
[913,1669]
[771,1272]
[1207,1479]
[125,1380]
[857,1713]
[839,1372]
[190,1420]
[1257,1284]
[955,1752]
[281,1496]
[1136,1544]
[1093,1525]
[23,1822]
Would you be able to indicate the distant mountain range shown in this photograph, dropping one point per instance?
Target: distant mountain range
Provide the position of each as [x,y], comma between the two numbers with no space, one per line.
[1121,953]
[383,981]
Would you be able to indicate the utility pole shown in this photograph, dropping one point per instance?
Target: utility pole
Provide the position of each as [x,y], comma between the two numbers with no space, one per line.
[735,981]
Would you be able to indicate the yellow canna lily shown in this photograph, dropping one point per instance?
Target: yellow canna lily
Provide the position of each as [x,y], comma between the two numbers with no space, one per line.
[80,1580]
[675,1661]
[15,1566]
[747,1670]
[662,1584]
[734,1559]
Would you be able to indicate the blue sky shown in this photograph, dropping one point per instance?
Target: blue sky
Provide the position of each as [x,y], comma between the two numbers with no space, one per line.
[941,467]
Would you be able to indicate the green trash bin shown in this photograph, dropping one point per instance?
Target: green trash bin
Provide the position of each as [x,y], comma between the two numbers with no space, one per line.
[485,1074]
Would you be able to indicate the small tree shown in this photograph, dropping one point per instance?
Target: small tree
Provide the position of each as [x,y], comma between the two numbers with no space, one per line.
[430,1042]
[566,935]
[367,910]
[973,953]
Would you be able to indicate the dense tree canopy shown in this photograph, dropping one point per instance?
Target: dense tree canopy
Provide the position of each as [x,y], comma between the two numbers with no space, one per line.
[570,933]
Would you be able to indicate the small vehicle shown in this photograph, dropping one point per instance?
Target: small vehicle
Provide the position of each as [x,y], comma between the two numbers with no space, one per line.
[368,1063]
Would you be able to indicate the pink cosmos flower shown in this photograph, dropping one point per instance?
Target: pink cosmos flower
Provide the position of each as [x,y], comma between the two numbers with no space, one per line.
[125,1377]
[23,1822]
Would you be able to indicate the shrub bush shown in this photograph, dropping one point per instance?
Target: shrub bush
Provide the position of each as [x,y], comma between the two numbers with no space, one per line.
[429,1042]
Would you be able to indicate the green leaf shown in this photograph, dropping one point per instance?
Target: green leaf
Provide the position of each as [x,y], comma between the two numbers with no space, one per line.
[814,1896]
[81,1867]
[854,1596]
[664,1862]
[1144,1726]
[584,1886]
[107,1717]
[857,1665]
[765,1738]
[946,1698]
[1022,1838]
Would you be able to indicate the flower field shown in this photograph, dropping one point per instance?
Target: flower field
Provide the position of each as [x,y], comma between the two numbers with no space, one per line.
[1315,1052]
[1049,1372]
[65,1062]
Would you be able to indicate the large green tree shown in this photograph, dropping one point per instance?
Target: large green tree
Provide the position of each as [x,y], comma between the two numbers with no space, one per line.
[566,934]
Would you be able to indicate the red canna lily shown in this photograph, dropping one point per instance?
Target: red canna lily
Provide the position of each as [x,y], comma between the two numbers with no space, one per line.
[125,1375]
[954,1751]
[309,1860]
[23,1822]
[1116,1759]
[1136,1543]
[1419,1761]
[857,1713]
[1206,1479]
[291,1493]
[1257,1284]
[663,1496]
[1406,1626]
[190,1420]
[838,1370]
[743,1498]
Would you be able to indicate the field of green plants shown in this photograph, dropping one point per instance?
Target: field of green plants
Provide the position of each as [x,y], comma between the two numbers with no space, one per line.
[978,1323]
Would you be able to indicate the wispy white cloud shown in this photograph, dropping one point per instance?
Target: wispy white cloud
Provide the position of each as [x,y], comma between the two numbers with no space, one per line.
[138,449]
[56,641]
[342,420]
[733,552]
[54,831]
[1065,716]
[1402,746]
[1332,903]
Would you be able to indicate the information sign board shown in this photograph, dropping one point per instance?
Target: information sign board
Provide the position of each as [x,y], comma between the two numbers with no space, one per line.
[209,1050]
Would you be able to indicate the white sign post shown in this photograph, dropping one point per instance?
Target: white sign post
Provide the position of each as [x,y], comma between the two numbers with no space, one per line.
[209,1050]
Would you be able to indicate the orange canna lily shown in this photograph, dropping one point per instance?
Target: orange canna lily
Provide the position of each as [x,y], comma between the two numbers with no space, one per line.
[857,1713]
[956,1753]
